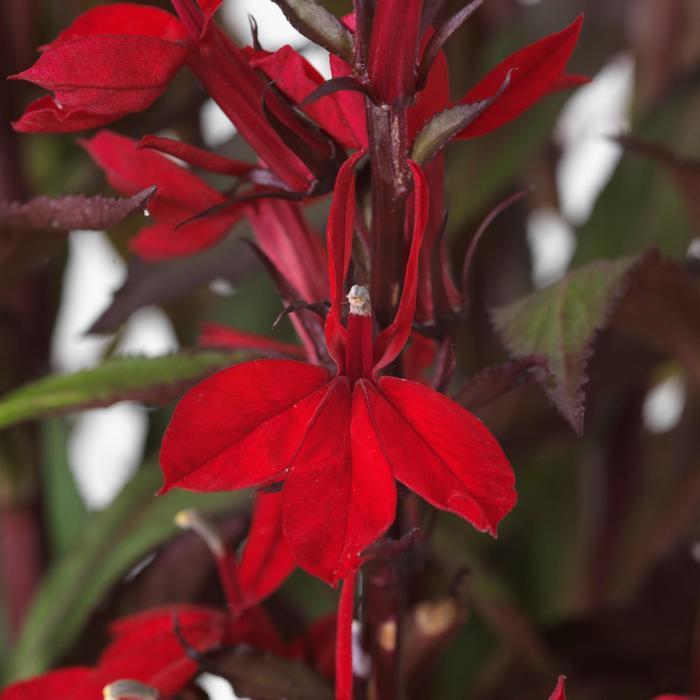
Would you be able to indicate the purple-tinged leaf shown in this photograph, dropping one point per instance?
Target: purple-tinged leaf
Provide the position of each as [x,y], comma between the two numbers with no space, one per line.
[71,212]
[560,323]
[494,381]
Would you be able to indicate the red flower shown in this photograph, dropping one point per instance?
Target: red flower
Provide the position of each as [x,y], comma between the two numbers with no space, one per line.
[559,693]
[90,87]
[338,442]
[153,647]
[117,59]
[180,195]
[145,649]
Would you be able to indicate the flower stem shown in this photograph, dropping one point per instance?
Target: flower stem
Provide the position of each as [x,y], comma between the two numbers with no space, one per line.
[391,180]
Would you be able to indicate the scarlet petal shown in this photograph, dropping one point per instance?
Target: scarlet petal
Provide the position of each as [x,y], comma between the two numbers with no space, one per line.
[293,247]
[339,233]
[124,18]
[180,195]
[131,169]
[339,495]
[442,452]
[537,70]
[62,683]
[44,115]
[392,339]
[433,98]
[164,240]
[297,79]
[197,157]
[146,647]
[109,75]
[267,560]
[559,693]
[242,426]
[215,335]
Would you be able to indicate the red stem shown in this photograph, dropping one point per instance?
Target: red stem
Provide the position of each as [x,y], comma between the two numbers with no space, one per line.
[20,561]
[343,642]
[391,178]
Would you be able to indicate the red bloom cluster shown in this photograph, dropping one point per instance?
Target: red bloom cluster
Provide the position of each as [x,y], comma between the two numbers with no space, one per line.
[339,441]
[328,437]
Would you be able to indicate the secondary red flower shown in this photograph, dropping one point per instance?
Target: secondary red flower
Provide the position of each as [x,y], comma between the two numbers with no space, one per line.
[111,61]
[145,649]
[117,59]
[338,442]
[180,195]
[153,647]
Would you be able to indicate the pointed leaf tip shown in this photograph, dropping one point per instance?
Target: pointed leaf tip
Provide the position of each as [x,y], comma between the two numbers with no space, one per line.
[560,323]
[539,70]
[72,212]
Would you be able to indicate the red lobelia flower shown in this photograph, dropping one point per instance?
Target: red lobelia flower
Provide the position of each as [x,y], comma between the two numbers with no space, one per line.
[180,195]
[156,647]
[338,442]
[117,59]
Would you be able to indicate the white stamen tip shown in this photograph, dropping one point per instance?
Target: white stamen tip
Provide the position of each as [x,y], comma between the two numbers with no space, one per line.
[358,298]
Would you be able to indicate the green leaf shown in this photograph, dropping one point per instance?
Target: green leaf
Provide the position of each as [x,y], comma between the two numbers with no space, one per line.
[109,545]
[152,380]
[560,323]
[65,511]
[312,20]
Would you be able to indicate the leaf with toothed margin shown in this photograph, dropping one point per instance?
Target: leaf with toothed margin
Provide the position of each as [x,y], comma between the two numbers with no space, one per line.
[153,380]
[560,323]
[71,212]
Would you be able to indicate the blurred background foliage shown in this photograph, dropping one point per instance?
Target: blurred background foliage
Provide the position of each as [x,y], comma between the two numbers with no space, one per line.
[595,574]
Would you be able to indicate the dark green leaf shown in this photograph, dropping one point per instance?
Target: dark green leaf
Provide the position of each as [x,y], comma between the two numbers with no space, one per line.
[65,510]
[314,21]
[153,380]
[560,323]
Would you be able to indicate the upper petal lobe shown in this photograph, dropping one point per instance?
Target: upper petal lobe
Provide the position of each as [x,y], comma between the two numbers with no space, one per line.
[242,426]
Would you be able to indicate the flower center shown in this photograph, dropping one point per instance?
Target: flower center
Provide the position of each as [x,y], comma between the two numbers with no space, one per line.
[358,360]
